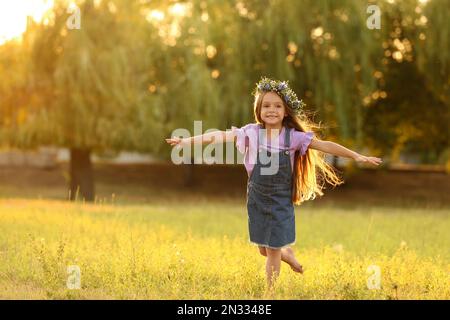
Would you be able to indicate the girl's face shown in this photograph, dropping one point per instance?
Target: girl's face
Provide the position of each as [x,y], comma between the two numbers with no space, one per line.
[272,109]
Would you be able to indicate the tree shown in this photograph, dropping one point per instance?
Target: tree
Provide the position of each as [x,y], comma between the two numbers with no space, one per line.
[408,112]
[136,70]
[88,81]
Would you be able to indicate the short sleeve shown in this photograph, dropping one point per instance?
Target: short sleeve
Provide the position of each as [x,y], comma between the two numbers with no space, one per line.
[302,140]
[242,134]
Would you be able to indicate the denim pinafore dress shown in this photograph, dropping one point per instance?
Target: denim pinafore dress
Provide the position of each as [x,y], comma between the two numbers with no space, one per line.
[271,219]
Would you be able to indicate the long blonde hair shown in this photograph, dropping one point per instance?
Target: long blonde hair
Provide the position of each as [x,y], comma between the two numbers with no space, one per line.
[311,171]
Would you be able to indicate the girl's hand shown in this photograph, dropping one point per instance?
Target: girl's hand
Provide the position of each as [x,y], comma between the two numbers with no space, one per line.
[176,141]
[372,160]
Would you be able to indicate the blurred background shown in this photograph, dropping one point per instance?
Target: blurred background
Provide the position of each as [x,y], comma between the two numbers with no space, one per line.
[90,89]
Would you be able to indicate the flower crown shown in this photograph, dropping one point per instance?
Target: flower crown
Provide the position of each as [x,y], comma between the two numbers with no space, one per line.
[283,90]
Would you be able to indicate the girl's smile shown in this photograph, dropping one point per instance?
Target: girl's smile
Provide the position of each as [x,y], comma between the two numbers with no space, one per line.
[272,111]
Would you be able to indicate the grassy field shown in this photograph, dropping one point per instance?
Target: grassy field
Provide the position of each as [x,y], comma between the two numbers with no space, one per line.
[200,250]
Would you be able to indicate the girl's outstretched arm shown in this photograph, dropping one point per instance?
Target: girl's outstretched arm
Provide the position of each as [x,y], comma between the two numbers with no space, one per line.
[341,151]
[211,137]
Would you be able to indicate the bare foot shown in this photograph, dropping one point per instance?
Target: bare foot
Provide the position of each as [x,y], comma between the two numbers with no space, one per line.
[290,259]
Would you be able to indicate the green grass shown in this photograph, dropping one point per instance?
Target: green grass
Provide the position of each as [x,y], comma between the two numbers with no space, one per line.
[200,250]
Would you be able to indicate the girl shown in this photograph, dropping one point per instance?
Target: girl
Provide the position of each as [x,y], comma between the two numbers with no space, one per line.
[270,196]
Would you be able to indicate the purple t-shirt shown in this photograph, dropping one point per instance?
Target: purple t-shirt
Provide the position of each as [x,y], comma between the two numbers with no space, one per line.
[246,143]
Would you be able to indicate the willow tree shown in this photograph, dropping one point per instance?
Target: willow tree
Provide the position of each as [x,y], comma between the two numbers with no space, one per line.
[138,69]
[14,90]
[206,56]
[433,46]
[88,83]
[323,47]
[409,113]
[433,59]
[208,68]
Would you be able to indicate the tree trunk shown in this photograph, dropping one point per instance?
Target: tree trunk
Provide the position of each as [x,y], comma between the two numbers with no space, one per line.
[189,174]
[81,175]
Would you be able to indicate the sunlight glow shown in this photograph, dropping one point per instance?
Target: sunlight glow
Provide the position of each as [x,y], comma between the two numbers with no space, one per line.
[179,9]
[155,15]
[14,13]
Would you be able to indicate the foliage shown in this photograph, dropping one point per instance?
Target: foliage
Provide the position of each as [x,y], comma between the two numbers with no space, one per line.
[154,252]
